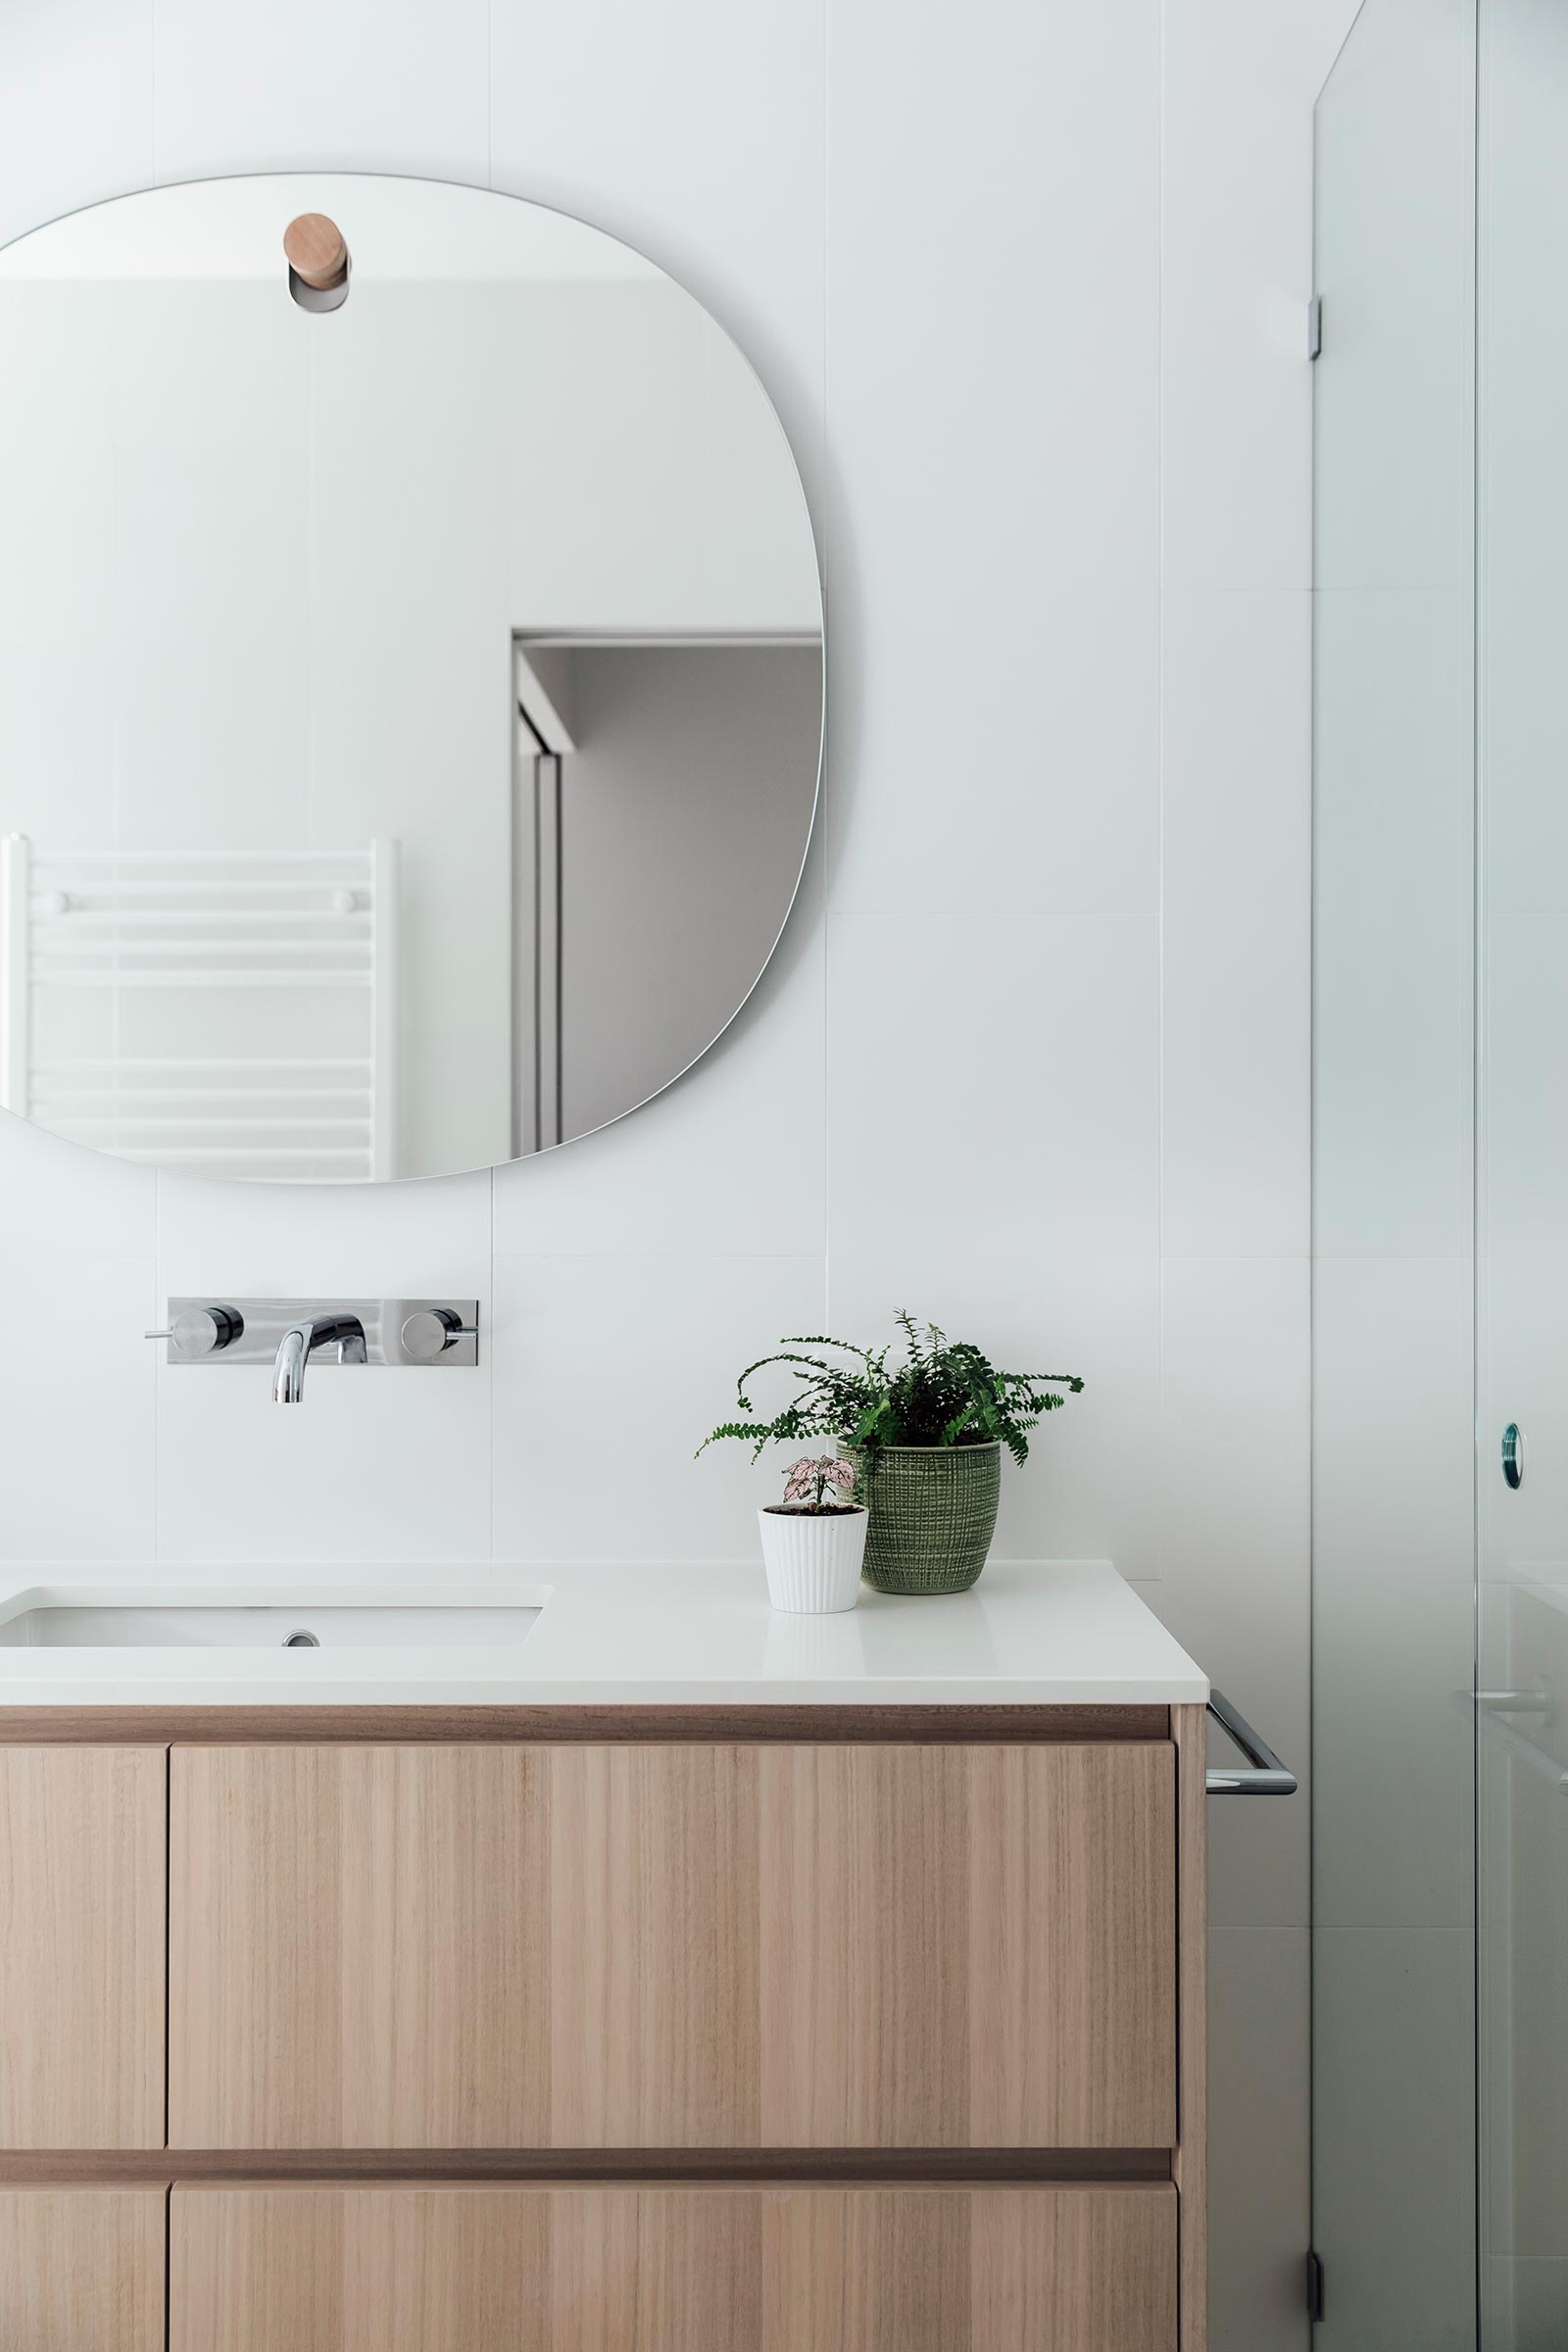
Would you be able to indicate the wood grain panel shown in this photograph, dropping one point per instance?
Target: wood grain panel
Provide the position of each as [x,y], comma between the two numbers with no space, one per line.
[1089,2269]
[259,2269]
[655,1966]
[868,2270]
[81,2270]
[1071,2270]
[463,2270]
[663,2270]
[1190,2156]
[82,1947]
[358,1947]
[657,1946]
[968,1946]
[317,2270]
[864,1919]
[1073,1953]
[673,2270]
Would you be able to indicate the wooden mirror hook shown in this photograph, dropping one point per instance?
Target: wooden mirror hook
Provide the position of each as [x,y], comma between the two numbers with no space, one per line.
[317,252]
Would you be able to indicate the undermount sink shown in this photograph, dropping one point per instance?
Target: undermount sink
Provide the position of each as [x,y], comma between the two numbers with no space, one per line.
[341,1626]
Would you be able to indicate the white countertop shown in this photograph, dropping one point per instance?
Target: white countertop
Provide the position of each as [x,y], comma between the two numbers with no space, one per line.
[644,1634]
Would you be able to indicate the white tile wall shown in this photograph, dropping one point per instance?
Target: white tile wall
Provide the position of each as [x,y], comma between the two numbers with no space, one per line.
[77,1396]
[1237,916]
[609,1372]
[1258,2069]
[697,133]
[1414,1991]
[994,1078]
[76,107]
[992,307]
[362,85]
[1028,290]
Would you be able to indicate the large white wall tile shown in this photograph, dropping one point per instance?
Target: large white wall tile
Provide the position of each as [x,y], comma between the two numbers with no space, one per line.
[77,1402]
[374,1463]
[608,1374]
[75,106]
[993,400]
[1235,948]
[69,1201]
[287,1240]
[994,1078]
[1258,2197]
[1393,420]
[279,85]
[1392,2027]
[1235,1519]
[697,135]
[1538,2304]
[996,754]
[1237,278]
[1239,88]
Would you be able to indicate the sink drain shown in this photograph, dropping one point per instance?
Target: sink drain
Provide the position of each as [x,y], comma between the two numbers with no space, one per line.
[301,1640]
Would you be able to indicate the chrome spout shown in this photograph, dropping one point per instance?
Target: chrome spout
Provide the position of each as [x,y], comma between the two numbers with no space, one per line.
[303,1340]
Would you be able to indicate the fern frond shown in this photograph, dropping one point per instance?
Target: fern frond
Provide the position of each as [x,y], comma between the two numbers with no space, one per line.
[944,1393]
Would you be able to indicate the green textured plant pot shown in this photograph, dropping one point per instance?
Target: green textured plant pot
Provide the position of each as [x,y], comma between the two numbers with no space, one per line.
[933,1513]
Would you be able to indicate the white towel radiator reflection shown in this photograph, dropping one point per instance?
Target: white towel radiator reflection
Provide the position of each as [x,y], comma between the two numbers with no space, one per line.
[224,1011]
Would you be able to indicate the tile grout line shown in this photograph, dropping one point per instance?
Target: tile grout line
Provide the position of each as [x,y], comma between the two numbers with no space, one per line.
[158,1386]
[488,1320]
[1161,660]
[827,779]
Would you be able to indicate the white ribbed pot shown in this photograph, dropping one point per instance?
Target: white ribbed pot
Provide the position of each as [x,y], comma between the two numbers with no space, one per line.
[813,1559]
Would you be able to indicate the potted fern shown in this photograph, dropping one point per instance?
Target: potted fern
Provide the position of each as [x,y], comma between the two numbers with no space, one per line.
[924,1437]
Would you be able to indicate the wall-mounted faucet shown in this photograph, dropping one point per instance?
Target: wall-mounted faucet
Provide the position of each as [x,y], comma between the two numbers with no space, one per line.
[289,1334]
[345,1333]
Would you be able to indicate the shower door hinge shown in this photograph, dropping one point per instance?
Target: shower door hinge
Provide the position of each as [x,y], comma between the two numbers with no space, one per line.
[1314,327]
[1314,2287]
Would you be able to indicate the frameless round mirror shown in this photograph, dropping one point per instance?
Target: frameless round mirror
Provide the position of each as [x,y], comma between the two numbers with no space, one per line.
[411,677]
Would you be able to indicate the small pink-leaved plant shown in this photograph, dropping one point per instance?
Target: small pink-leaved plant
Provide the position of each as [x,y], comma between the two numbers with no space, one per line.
[808,1480]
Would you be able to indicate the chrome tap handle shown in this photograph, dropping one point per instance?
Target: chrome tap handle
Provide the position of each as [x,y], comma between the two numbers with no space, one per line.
[202,1330]
[432,1331]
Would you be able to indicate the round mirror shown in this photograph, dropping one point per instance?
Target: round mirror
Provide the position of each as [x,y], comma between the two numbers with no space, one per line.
[410,678]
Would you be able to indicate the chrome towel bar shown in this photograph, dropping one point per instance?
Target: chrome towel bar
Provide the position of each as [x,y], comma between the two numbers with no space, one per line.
[1263,1776]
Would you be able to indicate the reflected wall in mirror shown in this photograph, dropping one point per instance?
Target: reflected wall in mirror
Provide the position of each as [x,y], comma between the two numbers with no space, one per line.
[410,712]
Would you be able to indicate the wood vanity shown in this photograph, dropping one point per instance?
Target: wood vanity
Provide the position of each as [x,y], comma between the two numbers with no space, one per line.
[569,2028]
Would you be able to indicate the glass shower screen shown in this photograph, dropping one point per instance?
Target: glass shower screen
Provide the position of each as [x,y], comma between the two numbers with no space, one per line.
[1394,1455]
[1441,1181]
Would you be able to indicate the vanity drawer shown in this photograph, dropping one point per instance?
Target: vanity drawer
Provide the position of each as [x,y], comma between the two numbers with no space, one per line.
[673,2270]
[82,1947]
[81,2270]
[672,1946]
